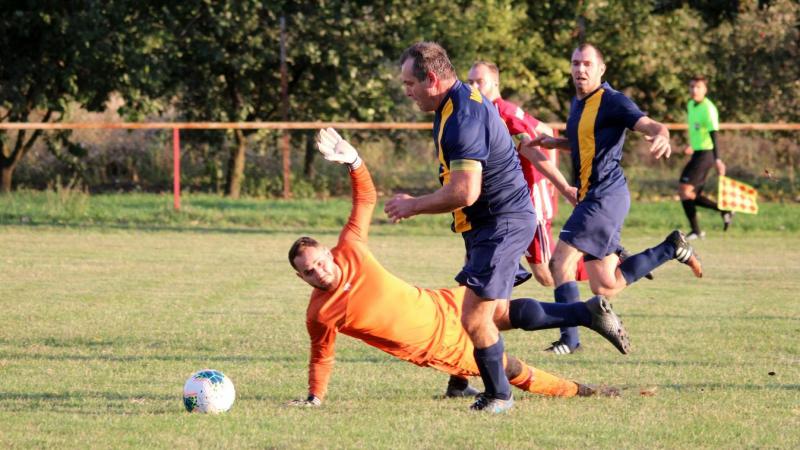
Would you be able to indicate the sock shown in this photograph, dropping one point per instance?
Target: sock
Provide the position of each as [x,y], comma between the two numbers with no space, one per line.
[643,263]
[705,202]
[457,382]
[691,214]
[539,382]
[568,293]
[490,365]
[529,314]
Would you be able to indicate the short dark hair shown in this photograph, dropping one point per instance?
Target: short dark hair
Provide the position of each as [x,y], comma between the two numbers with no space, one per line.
[586,45]
[491,66]
[429,57]
[298,246]
[697,78]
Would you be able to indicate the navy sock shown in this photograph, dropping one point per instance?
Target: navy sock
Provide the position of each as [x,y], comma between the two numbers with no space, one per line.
[643,263]
[529,314]
[691,214]
[568,293]
[490,364]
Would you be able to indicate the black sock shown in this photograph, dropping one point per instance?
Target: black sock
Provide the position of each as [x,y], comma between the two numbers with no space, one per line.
[691,214]
[705,202]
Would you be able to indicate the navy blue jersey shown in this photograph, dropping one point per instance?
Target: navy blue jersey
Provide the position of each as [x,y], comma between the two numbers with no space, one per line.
[596,131]
[467,127]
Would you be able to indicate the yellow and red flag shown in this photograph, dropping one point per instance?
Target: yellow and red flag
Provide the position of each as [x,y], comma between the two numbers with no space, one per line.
[736,196]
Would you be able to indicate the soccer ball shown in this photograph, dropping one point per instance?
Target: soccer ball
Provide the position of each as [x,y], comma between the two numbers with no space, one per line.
[208,391]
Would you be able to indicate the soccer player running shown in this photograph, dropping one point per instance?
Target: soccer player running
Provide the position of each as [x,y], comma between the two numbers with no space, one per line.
[483,187]
[356,296]
[485,76]
[598,119]
[703,126]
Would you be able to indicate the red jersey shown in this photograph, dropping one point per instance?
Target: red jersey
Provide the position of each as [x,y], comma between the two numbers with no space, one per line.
[522,125]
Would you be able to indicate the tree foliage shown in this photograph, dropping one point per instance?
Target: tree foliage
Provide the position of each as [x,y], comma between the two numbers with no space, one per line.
[220,60]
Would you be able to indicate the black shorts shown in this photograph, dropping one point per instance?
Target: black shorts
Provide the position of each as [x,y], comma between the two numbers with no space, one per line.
[696,170]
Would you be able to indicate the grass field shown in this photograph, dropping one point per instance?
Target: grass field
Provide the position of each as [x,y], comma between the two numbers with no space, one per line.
[102,321]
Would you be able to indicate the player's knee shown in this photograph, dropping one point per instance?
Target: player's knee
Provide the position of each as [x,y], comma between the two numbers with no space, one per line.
[686,192]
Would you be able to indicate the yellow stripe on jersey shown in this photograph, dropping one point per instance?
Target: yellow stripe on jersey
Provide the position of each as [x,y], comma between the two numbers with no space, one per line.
[467,165]
[447,111]
[475,95]
[460,222]
[586,143]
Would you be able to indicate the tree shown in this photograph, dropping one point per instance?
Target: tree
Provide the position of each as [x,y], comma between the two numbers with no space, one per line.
[55,53]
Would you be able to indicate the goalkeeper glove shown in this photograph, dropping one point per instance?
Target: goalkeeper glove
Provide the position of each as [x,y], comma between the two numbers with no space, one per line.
[336,149]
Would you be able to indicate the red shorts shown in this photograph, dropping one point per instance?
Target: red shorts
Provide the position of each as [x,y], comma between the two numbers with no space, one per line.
[541,249]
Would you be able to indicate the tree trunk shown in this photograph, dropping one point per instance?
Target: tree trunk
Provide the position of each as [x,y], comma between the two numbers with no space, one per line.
[233,184]
[5,176]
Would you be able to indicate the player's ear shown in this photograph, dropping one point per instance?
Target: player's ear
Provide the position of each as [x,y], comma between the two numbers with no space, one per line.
[602,69]
[431,78]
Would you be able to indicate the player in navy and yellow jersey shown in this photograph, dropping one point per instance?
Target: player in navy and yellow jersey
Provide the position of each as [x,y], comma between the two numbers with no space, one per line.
[356,296]
[483,186]
[485,76]
[598,121]
[703,121]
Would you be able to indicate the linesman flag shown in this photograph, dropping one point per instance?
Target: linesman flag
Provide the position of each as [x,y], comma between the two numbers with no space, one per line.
[736,196]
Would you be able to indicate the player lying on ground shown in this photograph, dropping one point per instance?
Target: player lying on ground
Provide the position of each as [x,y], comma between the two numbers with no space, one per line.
[354,295]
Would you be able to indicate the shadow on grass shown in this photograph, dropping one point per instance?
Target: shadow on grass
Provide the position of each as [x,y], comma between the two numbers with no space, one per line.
[706,318]
[702,387]
[379,228]
[174,228]
[199,358]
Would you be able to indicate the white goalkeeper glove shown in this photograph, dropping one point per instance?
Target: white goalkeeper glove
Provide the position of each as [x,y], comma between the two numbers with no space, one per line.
[311,402]
[336,149]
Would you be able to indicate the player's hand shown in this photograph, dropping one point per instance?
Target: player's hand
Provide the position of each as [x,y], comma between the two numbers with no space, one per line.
[688,150]
[334,148]
[400,207]
[541,140]
[720,168]
[571,194]
[659,146]
[310,402]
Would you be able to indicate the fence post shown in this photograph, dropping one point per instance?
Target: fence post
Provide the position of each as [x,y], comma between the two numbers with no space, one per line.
[176,169]
[287,189]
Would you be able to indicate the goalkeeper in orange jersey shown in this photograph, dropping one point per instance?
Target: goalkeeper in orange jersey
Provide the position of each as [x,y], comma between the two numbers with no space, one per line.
[355,295]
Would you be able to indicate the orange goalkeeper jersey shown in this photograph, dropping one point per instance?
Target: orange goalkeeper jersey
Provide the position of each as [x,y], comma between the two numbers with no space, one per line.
[422,326]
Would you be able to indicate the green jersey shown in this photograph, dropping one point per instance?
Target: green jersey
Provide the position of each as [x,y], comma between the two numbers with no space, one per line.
[703,119]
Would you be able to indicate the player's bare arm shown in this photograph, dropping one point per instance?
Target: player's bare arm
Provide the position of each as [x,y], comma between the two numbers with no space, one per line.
[547,141]
[657,134]
[548,169]
[463,190]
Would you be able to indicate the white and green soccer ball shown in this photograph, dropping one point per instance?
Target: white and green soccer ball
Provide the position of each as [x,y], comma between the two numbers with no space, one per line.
[208,391]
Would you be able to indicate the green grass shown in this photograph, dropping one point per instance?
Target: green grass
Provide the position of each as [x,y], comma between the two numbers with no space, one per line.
[101,326]
[203,212]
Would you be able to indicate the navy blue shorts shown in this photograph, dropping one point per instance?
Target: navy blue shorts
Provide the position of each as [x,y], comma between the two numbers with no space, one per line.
[595,225]
[493,256]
